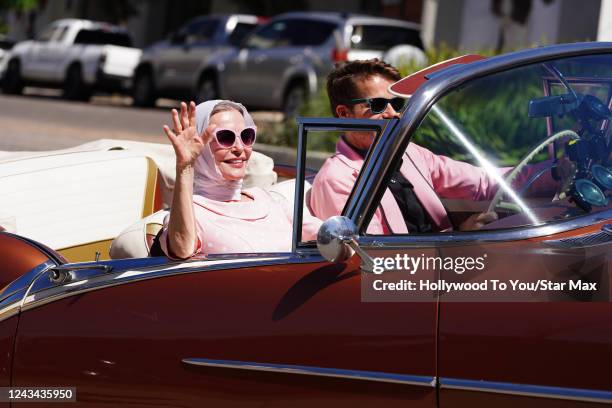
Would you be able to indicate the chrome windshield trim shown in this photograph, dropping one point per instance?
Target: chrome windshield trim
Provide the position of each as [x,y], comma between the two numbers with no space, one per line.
[12,296]
[527,390]
[11,305]
[24,280]
[385,154]
[50,292]
[376,376]
[477,237]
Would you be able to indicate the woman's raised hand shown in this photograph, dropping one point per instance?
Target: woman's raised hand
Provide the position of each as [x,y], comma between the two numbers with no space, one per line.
[186,141]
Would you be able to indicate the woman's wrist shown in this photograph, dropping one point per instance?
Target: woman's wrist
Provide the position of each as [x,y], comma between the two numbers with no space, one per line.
[184,169]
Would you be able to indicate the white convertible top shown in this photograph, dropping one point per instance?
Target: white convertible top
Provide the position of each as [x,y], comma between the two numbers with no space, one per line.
[91,191]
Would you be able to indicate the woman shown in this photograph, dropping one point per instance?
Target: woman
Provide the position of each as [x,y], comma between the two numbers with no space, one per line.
[211,213]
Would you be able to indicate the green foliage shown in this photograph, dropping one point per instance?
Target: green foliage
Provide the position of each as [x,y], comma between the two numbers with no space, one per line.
[493,113]
[285,133]
[18,5]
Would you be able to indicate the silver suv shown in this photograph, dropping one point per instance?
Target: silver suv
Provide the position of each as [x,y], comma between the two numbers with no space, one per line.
[284,60]
[175,67]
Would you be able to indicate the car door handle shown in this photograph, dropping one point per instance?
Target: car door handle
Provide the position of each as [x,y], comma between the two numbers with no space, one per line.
[260,59]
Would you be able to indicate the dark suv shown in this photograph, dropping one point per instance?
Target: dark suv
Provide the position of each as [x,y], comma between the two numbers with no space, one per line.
[284,60]
[175,67]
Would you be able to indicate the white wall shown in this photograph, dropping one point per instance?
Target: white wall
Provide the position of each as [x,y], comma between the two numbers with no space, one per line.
[481,28]
[544,22]
[604,32]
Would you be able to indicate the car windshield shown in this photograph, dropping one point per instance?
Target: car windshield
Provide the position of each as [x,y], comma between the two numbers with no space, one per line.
[240,32]
[292,33]
[199,30]
[532,144]
[47,33]
[382,37]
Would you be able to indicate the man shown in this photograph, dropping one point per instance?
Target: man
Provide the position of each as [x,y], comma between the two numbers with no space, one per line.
[359,89]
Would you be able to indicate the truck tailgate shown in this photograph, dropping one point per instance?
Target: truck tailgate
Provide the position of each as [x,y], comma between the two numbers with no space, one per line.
[120,61]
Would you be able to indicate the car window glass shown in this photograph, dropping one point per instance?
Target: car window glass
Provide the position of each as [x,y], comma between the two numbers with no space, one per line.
[475,137]
[272,35]
[381,37]
[240,32]
[46,34]
[61,33]
[309,32]
[200,30]
[205,32]
[101,37]
[334,160]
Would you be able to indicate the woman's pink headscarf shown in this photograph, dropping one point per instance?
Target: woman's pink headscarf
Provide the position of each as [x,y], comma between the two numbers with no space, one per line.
[208,181]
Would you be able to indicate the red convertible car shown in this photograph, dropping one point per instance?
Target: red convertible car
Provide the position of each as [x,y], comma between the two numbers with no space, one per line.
[316,326]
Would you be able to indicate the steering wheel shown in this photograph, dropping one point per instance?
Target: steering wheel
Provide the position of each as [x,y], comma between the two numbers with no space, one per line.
[497,199]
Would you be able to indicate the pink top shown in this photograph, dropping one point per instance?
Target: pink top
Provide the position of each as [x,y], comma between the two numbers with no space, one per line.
[429,173]
[262,225]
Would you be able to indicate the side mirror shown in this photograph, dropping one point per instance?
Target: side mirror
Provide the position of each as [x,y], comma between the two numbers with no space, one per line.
[337,242]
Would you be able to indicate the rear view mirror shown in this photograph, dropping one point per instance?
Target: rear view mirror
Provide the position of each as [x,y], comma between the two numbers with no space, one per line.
[557,105]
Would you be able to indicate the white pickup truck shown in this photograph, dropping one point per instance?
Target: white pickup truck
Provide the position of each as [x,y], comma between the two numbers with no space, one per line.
[79,56]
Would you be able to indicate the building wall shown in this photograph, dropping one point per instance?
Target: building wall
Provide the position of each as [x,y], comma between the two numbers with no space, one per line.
[481,26]
[604,31]
[541,26]
[579,20]
[441,22]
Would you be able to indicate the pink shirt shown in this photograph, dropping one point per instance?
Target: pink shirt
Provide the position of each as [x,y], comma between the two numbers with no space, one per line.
[262,225]
[430,174]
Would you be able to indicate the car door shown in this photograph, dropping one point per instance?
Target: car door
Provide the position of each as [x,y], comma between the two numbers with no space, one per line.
[180,61]
[32,64]
[276,330]
[53,55]
[524,317]
[244,77]
[288,329]
[273,56]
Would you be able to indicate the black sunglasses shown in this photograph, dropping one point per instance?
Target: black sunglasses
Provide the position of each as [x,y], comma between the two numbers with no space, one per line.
[378,105]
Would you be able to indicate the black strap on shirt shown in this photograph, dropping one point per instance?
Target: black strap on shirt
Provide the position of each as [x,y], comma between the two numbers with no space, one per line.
[415,216]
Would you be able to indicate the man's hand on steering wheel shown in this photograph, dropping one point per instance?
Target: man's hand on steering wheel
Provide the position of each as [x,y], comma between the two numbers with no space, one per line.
[477,221]
[565,170]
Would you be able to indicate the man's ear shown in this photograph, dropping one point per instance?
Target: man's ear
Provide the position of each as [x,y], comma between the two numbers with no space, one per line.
[342,111]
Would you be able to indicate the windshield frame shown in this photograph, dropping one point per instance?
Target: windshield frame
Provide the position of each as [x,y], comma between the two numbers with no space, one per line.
[387,152]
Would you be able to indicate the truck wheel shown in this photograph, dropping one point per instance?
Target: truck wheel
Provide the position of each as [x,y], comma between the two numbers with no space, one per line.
[206,91]
[13,83]
[143,92]
[74,86]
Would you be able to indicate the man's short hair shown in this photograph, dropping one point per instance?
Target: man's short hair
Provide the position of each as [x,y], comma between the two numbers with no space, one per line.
[342,81]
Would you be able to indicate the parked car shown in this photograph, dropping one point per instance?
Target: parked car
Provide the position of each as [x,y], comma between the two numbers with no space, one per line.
[79,56]
[5,45]
[288,58]
[175,67]
[299,329]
